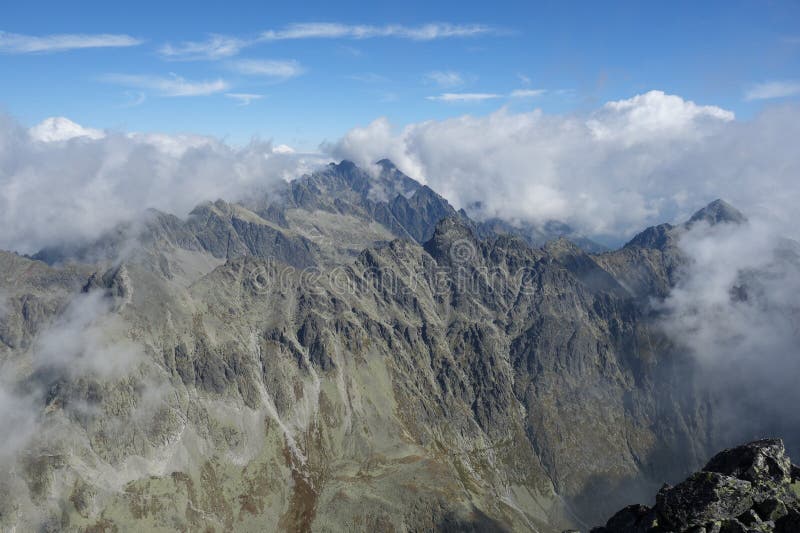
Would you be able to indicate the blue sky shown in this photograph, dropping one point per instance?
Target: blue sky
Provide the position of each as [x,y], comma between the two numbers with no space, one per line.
[367,61]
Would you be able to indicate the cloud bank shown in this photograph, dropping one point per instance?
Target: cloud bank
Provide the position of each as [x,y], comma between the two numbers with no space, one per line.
[610,172]
[735,309]
[64,186]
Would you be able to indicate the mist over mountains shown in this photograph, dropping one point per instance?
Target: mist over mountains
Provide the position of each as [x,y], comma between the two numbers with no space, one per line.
[347,347]
[410,267]
[606,173]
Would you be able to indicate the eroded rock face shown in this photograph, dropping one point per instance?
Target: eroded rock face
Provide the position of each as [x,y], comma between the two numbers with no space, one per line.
[753,487]
[345,360]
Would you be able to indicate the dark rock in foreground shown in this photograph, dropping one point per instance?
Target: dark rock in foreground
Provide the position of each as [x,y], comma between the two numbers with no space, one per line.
[750,488]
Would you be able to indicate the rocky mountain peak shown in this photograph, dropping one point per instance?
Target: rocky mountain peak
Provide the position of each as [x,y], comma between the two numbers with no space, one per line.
[386,164]
[653,237]
[452,240]
[718,212]
[753,487]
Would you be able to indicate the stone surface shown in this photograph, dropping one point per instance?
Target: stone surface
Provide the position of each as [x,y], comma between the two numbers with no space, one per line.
[744,489]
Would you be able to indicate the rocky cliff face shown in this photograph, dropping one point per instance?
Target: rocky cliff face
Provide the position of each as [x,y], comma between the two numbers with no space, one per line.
[349,354]
[751,488]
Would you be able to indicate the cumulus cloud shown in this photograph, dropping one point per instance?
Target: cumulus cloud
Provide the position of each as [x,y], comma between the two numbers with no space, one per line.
[172,85]
[68,190]
[15,43]
[653,115]
[611,172]
[269,68]
[62,129]
[283,149]
[329,30]
[773,89]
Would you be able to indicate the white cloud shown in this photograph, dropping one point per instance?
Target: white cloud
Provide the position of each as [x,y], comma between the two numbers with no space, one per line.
[135,98]
[218,46]
[17,412]
[268,68]
[525,80]
[283,149]
[652,114]
[773,89]
[527,93]
[15,43]
[445,78]
[464,97]
[172,85]
[62,129]
[479,97]
[328,30]
[64,192]
[86,339]
[215,47]
[735,310]
[244,98]
[629,164]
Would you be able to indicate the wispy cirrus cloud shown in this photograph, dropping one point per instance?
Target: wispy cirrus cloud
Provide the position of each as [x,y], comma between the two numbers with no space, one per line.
[772,89]
[218,46]
[134,98]
[465,97]
[244,98]
[445,78]
[172,85]
[215,47]
[271,68]
[16,43]
[527,93]
[481,97]
[332,30]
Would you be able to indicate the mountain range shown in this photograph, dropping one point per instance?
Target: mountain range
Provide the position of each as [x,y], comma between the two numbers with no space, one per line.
[345,352]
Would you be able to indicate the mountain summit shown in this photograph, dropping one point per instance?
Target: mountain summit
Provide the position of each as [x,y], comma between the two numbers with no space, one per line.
[718,212]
